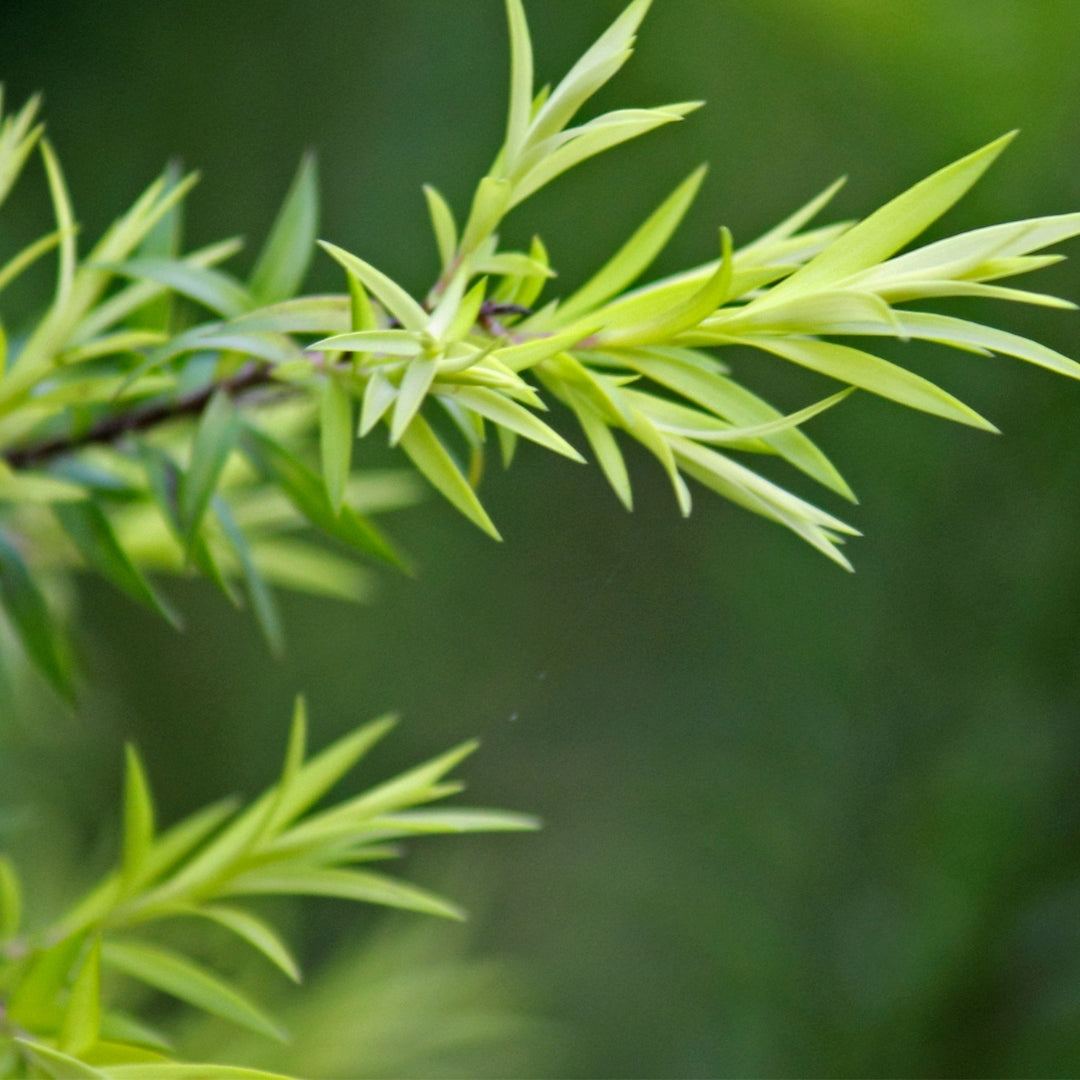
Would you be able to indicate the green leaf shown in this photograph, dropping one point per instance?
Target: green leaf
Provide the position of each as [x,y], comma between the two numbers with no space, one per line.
[10,900]
[391,295]
[635,256]
[490,203]
[385,342]
[65,225]
[792,224]
[532,351]
[603,445]
[138,819]
[303,315]
[681,316]
[214,289]
[92,533]
[415,383]
[336,435]
[964,334]
[122,304]
[434,461]
[429,822]
[287,252]
[306,491]
[357,885]
[361,313]
[175,1070]
[82,1015]
[379,395]
[442,223]
[888,229]
[508,414]
[34,1001]
[213,443]
[871,373]
[184,979]
[642,429]
[679,371]
[57,1064]
[521,80]
[416,785]
[324,770]
[32,622]
[262,599]
[253,930]
[594,138]
[602,60]
[745,488]
[29,255]
[178,842]
[970,253]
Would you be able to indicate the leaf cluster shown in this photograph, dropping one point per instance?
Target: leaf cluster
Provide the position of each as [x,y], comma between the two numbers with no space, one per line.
[165,415]
[58,1014]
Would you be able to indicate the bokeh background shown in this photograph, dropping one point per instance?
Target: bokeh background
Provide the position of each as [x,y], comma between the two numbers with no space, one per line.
[797,822]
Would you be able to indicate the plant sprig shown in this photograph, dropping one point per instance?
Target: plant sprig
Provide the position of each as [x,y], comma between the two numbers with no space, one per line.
[137,442]
[54,1008]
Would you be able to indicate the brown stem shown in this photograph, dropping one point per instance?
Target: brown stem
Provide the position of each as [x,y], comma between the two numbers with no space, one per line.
[111,428]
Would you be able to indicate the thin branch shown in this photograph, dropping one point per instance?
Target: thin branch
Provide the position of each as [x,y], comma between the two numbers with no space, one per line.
[112,428]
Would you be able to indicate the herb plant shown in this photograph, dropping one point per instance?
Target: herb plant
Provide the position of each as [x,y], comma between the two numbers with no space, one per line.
[163,416]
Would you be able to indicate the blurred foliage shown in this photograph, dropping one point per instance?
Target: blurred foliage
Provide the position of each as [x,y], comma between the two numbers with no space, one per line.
[795,823]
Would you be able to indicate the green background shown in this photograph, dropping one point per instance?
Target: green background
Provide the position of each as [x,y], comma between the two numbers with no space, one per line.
[797,822]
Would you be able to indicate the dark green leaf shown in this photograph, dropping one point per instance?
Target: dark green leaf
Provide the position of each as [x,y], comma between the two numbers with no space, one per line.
[287,252]
[306,491]
[89,529]
[32,621]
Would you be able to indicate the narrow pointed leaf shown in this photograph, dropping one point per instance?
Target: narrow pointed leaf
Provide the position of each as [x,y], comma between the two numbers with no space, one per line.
[10,900]
[442,224]
[588,144]
[138,817]
[792,224]
[184,979]
[506,413]
[303,315]
[65,224]
[521,80]
[257,933]
[176,1070]
[324,770]
[32,622]
[435,463]
[213,443]
[596,66]
[305,490]
[490,203]
[379,395]
[92,533]
[528,353]
[871,373]
[357,885]
[383,342]
[887,230]
[391,295]
[732,402]
[287,253]
[262,599]
[635,256]
[415,384]
[214,289]
[336,436]
[81,1025]
[604,446]
[56,1063]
